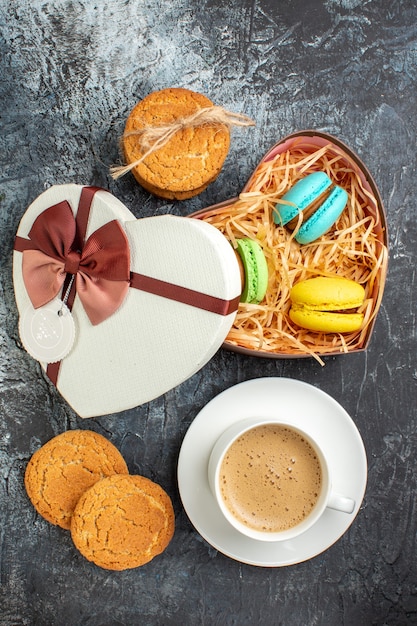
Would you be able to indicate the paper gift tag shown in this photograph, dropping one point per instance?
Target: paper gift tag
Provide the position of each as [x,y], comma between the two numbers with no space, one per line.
[152,342]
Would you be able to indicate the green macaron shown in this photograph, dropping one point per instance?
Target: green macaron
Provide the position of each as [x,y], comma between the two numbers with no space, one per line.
[255,270]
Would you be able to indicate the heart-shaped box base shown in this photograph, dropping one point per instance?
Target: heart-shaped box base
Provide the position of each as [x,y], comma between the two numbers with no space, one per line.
[259,189]
[152,343]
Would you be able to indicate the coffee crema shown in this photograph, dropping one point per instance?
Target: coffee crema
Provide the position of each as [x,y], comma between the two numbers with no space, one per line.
[270,478]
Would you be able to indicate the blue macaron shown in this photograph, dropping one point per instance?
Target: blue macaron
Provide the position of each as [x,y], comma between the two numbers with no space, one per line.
[319,199]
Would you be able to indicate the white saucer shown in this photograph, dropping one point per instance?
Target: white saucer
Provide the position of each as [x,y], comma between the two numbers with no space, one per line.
[328,422]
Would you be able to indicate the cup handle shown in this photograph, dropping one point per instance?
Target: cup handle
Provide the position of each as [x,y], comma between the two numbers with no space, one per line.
[341,503]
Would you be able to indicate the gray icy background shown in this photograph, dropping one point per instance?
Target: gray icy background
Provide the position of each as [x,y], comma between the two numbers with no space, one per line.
[71,70]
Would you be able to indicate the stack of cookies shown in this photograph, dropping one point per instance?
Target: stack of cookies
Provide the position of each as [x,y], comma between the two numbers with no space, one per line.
[80,482]
[193,156]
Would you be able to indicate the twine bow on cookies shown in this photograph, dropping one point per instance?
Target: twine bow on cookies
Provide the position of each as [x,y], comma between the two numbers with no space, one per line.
[152,138]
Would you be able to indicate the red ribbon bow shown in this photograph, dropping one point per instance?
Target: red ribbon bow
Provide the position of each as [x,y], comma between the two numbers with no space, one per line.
[101,265]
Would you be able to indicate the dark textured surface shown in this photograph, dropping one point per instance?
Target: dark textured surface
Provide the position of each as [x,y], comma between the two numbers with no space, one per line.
[70,72]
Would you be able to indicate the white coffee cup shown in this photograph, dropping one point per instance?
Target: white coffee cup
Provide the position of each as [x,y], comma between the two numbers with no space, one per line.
[323,498]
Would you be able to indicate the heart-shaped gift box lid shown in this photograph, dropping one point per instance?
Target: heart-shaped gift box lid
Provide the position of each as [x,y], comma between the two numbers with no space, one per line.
[161,334]
[280,340]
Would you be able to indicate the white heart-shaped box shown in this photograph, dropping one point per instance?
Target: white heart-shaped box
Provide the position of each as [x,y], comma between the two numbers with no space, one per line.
[152,343]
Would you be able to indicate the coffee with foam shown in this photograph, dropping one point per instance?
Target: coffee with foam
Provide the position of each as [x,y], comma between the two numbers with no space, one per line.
[270,478]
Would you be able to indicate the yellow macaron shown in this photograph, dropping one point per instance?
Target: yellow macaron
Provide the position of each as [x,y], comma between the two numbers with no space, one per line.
[327,304]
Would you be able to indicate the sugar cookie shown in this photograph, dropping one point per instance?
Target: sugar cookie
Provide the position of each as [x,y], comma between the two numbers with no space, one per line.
[123,522]
[66,466]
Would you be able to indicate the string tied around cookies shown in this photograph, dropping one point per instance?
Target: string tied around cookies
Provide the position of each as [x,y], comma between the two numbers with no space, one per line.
[152,138]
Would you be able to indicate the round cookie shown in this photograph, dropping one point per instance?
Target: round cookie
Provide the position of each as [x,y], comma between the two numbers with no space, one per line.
[123,522]
[190,160]
[64,468]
